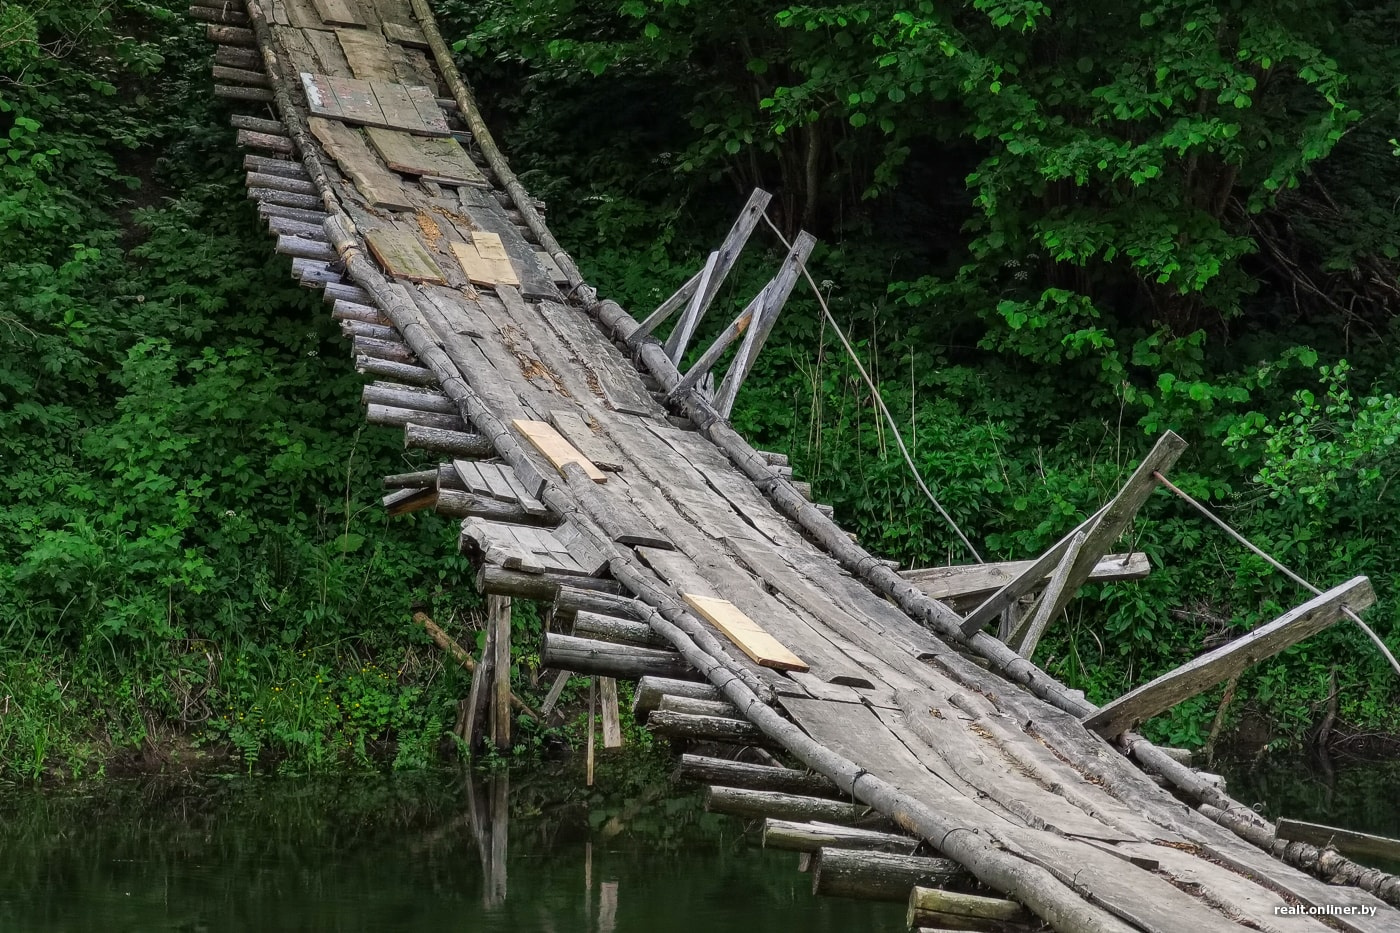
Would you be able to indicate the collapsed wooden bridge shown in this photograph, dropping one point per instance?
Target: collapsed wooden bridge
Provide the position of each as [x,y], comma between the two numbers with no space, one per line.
[593,474]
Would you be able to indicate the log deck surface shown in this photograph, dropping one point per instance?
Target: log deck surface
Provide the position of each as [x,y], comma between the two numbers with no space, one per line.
[1018,788]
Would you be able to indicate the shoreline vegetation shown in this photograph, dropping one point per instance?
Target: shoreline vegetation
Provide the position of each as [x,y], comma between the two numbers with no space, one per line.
[194,565]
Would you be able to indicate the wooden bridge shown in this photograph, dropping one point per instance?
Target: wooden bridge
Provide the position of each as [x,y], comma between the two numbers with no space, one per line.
[908,752]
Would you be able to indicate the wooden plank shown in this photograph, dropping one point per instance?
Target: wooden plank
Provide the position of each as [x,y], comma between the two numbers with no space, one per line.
[403,109]
[485,262]
[968,580]
[339,12]
[596,448]
[402,255]
[357,102]
[612,722]
[555,449]
[441,159]
[1228,660]
[1347,841]
[367,53]
[327,50]
[1027,632]
[487,215]
[760,646]
[321,98]
[425,101]
[621,384]
[406,35]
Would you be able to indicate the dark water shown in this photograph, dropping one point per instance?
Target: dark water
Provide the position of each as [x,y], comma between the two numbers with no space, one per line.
[433,853]
[395,854]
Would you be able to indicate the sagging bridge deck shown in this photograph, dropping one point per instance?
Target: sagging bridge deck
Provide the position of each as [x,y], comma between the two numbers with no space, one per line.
[666,543]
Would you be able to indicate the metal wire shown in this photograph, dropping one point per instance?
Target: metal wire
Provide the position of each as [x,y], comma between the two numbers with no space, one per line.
[875,394]
[1347,611]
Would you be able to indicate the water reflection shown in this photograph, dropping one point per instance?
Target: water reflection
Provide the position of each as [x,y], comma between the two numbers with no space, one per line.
[533,854]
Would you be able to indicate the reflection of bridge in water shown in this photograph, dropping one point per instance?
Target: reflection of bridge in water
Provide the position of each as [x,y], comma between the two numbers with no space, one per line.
[931,756]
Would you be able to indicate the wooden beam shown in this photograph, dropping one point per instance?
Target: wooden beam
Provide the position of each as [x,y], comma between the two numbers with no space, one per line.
[1346,841]
[717,268]
[1105,527]
[774,297]
[669,306]
[1025,635]
[966,581]
[1228,660]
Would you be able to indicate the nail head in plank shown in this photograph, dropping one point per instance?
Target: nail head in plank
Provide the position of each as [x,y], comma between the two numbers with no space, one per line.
[555,449]
[761,647]
[402,255]
[1224,662]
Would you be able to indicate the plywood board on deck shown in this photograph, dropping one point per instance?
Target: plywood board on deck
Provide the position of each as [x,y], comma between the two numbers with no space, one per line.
[344,144]
[760,646]
[485,261]
[555,449]
[402,255]
[440,159]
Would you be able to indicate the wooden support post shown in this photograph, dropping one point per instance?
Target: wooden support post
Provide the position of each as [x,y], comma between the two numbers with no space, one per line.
[1102,528]
[758,804]
[459,654]
[774,297]
[879,876]
[705,770]
[498,617]
[1228,660]
[479,695]
[811,836]
[977,581]
[717,267]
[612,721]
[555,691]
[592,727]
[933,907]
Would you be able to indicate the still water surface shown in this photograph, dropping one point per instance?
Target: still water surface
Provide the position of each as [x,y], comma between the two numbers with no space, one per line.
[432,853]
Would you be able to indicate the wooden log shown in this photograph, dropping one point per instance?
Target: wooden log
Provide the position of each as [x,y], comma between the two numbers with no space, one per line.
[452,443]
[761,804]
[418,480]
[650,691]
[694,707]
[498,617]
[879,876]
[773,458]
[811,836]
[400,372]
[689,728]
[607,659]
[280,182]
[539,586]
[374,331]
[1347,841]
[458,503]
[449,478]
[239,58]
[230,35]
[247,139]
[966,581]
[572,600]
[242,121]
[383,393]
[311,218]
[313,273]
[301,248]
[610,628]
[306,202]
[702,769]
[459,654]
[404,501]
[390,350]
[390,417]
[932,907]
[227,17]
[281,226]
[237,92]
[354,311]
[240,75]
[1228,660]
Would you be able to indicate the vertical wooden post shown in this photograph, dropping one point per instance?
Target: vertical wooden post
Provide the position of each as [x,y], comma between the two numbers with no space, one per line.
[612,721]
[592,706]
[479,696]
[500,828]
[498,617]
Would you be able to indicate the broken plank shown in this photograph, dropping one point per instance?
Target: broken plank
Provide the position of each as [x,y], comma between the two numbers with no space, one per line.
[760,646]
[612,722]
[968,580]
[402,255]
[367,53]
[555,449]
[441,159]
[1228,660]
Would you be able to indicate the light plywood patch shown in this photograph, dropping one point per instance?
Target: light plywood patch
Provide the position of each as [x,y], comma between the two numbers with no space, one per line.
[403,256]
[410,36]
[485,260]
[555,449]
[764,649]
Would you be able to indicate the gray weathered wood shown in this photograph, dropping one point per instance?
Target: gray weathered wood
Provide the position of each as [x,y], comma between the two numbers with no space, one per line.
[399,372]
[762,804]
[385,393]
[1025,635]
[543,587]
[650,691]
[935,907]
[814,835]
[457,503]
[721,708]
[248,139]
[689,727]
[391,417]
[1224,662]
[703,769]
[879,876]
[608,659]
[1343,840]
[300,248]
[440,440]
[965,581]
[611,628]
[670,305]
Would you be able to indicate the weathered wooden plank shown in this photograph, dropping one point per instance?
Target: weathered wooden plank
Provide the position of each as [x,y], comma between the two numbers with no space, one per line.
[328,52]
[599,451]
[618,379]
[760,646]
[406,35]
[438,158]
[1025,635]
[612,722]
[403,255]
[367,53]
[498,482]
[404,108]
[339,12]
[965,581]
[555,449]
[1346,841]
[488,215]
[1228,660]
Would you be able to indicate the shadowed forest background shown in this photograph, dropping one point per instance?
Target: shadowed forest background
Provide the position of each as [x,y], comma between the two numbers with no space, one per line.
[1052,230]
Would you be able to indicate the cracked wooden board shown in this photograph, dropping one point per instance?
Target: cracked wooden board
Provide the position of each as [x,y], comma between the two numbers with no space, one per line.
[403,256]
[344,144]
[485,262]
[374,103]
[436,158]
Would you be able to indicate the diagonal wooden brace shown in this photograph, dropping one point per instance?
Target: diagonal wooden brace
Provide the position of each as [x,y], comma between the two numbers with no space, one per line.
[1033,624]
[1102,529]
